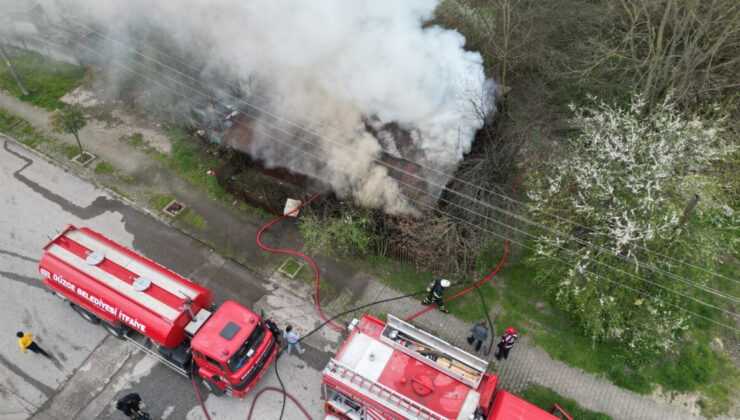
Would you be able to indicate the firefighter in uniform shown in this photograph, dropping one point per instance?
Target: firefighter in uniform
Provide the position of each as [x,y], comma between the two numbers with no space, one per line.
[435,291]
[507,342]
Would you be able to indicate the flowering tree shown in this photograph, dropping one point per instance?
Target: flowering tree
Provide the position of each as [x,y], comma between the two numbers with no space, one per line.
[629,180]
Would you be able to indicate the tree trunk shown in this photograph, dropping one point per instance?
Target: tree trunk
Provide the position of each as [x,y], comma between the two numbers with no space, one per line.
[78,143]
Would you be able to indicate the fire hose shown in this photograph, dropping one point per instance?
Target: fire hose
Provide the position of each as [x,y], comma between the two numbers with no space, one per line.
[309,259]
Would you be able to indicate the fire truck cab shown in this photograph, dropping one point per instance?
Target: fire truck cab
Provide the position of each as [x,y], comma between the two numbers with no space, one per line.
[111,285]
[394,370]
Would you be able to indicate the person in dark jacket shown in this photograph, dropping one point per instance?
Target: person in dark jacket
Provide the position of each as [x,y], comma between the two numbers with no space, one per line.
[478,332]
[434,294]
[272,326]
[506,343]
[130,405]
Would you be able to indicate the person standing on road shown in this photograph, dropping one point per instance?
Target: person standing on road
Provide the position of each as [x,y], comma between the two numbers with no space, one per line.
[506,343]
[272,326]
[26,342]
[131,405]
[435,291]
[292,339]
[478,332]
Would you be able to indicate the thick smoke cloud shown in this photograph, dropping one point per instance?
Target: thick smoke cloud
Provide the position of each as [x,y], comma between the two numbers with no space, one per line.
[333,67]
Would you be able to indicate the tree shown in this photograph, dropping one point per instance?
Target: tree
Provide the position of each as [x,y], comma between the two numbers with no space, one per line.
[688,47]
[68,120]
[629,180]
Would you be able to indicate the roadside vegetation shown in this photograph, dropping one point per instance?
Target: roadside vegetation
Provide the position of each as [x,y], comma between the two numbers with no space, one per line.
[47,80]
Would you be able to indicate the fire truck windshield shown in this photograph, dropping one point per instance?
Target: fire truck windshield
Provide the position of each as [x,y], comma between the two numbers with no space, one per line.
[247,349]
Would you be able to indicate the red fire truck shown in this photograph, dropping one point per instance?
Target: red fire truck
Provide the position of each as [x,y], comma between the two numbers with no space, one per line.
[229,346]
[394,370]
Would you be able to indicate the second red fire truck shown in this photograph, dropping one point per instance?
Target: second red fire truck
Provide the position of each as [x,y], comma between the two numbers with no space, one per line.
[228,346]
[394,371]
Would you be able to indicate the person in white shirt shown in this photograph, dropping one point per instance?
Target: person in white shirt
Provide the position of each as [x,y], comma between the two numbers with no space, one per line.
[292,339]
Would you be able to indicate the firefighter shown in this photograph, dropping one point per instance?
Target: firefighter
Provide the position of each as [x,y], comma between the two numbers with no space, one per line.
[507,342]
[435,291]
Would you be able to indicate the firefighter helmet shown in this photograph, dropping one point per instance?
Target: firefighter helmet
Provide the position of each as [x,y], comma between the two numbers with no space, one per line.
[445,283]
[510,330]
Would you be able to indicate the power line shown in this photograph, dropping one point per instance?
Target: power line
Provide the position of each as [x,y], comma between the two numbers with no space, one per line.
[302,128]
[594,274]
[442,187]
[428,206]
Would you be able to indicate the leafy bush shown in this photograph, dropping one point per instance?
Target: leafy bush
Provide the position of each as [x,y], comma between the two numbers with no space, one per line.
[349,234]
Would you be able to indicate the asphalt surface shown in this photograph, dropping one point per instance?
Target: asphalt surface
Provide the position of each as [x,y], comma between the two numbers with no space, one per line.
[90,369]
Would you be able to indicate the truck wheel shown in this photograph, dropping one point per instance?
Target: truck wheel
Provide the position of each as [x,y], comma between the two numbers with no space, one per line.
[118,332]
[86,315]
[215,390]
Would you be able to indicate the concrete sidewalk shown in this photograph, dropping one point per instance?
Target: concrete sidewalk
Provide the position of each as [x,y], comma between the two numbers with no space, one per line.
[235,232]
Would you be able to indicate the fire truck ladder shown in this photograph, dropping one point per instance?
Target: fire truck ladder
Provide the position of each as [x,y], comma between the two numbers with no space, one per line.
[389,398]
[145,344]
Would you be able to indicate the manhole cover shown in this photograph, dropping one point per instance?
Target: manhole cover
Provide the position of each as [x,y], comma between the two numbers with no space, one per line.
[174,208]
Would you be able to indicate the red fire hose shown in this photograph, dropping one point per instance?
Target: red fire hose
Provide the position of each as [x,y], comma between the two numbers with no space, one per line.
[506,245]
[313,264]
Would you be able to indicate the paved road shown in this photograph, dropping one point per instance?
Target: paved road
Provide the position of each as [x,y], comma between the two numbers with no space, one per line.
[90,370]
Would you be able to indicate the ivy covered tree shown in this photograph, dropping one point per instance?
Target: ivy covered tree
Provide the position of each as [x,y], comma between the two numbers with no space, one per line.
[630,185]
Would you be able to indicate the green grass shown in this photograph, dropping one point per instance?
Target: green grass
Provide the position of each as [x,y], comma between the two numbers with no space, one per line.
[186,216]
[70,150]
[103,168]
[290,266]
[136,139]
[117,190]
[46,80]
[692,367]
[407,279]
[188,160]
[21,129]
[189,217]
[158,201]
[545,397]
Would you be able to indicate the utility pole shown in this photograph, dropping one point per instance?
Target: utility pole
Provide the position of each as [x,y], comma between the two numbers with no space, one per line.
[12,70]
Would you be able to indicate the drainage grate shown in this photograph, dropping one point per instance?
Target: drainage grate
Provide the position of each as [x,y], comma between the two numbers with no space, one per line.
[174,208]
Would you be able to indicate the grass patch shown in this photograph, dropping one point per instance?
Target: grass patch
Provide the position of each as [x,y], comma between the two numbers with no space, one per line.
[190,160]
[693,366]
[158,201]
[21,129]
[117,190]
[136,139]
[189,217]
[103,168]
[290,267]
[407,279]
[46,80]
[545,397]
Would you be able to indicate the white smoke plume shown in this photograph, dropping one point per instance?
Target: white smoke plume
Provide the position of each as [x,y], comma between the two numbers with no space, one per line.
[334,67]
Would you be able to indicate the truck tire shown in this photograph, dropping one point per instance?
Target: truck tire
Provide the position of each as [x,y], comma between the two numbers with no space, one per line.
[118,332]
[87,316]
[215,390]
